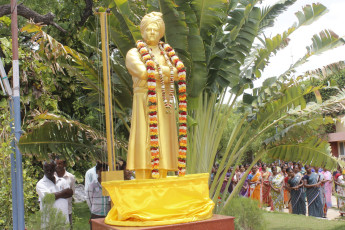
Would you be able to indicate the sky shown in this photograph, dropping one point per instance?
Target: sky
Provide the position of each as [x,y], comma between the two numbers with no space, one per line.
[334,20]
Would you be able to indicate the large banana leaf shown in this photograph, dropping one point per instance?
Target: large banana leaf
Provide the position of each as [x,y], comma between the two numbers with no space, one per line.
[196,56]
[292,97]
[313,151]
[322,42]
[126,15]
[176,28]
[270,13]
[305,125]
[56,134]
[210,15]
[308,15]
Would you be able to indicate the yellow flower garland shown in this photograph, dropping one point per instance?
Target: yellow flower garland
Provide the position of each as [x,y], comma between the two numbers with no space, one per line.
[151,68]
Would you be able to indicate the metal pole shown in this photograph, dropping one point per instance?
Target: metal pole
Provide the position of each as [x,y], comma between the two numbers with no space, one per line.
[4,79]
[17,120]
[107,92]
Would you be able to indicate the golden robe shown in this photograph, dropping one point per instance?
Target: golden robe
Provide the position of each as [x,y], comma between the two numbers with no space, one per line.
[139,156]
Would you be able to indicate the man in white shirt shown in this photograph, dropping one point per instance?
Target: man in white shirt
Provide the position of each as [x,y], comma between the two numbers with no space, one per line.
[50,184]
[60,171]
[90,176]
[99,205]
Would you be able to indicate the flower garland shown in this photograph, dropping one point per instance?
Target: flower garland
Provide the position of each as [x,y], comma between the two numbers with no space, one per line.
[152,66]
[167,104]
[182,99]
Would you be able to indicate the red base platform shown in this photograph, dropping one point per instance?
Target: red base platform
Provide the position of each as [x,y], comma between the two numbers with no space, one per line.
[217,222]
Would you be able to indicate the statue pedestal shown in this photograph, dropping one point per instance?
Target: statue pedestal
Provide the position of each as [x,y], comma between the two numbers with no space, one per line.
[157,202]
[217,222]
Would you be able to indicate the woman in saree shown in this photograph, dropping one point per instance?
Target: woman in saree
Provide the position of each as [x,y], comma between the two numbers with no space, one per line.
[341,193]
[295,185]
[277,194]
[322,191]
[244,189]
[328,188]
[255,181]
[266,188]
[312,183]
[286,192]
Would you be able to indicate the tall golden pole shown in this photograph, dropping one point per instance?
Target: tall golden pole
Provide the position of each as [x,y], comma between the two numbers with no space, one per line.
[107,92]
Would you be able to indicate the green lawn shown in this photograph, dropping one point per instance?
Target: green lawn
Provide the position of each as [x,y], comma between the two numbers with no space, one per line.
[274,220]
[81,215]
[285,221]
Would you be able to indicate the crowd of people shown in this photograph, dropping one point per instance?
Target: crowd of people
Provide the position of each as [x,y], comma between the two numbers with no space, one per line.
[290,185]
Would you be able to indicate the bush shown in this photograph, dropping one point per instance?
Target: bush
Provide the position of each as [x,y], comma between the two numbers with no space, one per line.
[49,218]
[248,215]
[31,173]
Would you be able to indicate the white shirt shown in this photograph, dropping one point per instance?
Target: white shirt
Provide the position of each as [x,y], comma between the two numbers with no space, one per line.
[69,177]
[90,177]
[46,186]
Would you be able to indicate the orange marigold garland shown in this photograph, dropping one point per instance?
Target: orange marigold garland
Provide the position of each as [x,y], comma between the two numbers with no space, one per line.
[182,99]
[151,67]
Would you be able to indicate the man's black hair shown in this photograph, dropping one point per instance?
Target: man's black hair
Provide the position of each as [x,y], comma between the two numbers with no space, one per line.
[101,166]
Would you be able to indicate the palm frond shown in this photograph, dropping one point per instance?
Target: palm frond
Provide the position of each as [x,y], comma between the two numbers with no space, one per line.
[130,20]
[322,42]
[313,151]
[310,14]
[52,133]
[270,13]
[312,124]
[328,70]
[334,104]
[209,14]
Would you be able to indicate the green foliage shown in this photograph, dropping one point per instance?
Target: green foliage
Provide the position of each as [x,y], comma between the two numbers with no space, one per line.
[31,173]
[60,135]
[81,216]
[312,152]
[49,218]
[5,172]
[248,215]
[331,77]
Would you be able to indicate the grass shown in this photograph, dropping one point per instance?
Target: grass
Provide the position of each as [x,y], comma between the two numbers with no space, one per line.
[286,221]
[81,216]
[274,220]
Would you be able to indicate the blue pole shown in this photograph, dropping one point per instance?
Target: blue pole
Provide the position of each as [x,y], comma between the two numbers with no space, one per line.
[17,122]
[19,168]
[13,177]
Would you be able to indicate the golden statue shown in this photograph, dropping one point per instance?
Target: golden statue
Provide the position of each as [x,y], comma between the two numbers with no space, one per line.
[139,157]
[154,147]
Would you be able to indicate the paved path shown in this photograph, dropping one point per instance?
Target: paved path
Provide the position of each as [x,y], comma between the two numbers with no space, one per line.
[333,212]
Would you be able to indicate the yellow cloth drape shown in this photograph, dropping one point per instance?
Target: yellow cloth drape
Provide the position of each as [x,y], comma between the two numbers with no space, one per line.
[139,156]
[164,201]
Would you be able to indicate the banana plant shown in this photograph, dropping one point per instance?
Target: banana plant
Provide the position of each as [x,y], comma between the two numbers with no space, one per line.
[51,133]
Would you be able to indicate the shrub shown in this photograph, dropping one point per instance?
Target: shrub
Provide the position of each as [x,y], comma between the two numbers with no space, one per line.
[31,173]
[248,215]
[49,218]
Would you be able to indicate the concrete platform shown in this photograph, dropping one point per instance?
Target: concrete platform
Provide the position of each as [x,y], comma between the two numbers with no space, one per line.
[217,222]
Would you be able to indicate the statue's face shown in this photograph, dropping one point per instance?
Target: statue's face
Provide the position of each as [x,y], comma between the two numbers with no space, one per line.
[151,34]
